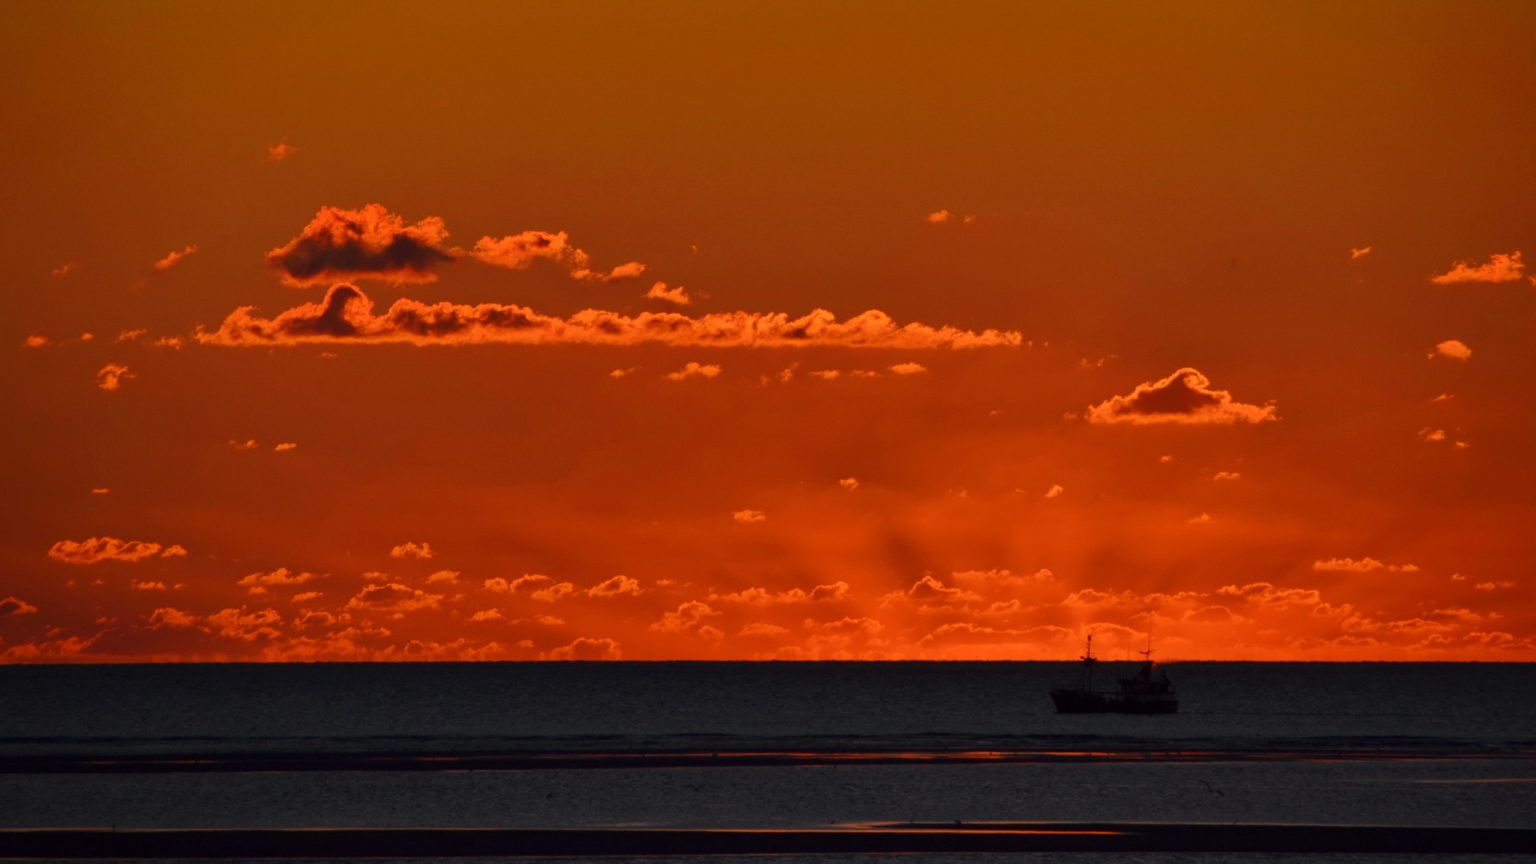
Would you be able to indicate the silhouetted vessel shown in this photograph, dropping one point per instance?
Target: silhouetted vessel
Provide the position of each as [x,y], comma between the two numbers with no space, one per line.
[1142,693]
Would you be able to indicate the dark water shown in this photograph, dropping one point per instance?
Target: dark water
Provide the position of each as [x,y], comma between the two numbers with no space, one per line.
[1433,707]
[1294,743]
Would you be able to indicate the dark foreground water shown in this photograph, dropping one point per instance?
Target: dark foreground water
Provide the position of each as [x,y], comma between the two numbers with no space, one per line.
[784,746]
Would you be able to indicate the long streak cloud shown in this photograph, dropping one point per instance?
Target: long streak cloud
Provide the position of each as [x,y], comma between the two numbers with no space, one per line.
[346,315]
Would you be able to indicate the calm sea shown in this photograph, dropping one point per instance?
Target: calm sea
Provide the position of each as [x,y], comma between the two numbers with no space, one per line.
[1353,743]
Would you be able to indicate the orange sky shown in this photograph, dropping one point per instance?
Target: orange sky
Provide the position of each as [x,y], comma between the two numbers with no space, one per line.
[736,331]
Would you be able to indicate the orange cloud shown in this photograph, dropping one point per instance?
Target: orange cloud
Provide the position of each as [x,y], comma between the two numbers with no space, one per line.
[1500,268]
[675,295]
[392,597]
[694,370]
[687,616]
[346,315]
[35,341]
[97,549]
[367,243]
[520,251]
[257,583]
[280,151]
[16,606]
[586,648]
[1363,565]
[1453,349]
[412,550]
[1359,253]
[285,446]
[849,483]
[449,576]
[941,217]
[909,369]
[111,376]
[63,269]
[764,597]
[1185,397]
[1226,477]
[170,259]
[617,586]
[749,517]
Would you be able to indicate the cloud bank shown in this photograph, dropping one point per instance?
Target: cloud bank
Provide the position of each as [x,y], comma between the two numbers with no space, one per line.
[347,315]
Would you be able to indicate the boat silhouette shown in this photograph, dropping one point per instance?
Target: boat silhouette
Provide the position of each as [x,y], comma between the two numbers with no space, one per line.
[1147,692]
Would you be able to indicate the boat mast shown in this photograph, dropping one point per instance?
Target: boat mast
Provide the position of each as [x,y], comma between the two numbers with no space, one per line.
[1088,661]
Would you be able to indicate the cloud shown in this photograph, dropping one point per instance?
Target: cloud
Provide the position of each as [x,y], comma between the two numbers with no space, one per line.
[849,483]
[909,369]
[675,295]
[586,648]
[367,243]
[101,490]
[243,625]
[257,583]
[1454,349]
[554,592]
[1185,397]
[16,606]
[941,217]
[929,588]
[1226,477]
[346,315]
[171,258]
[35,341]
[764,597]
[1202,519]
[617,586]
[247,444]
[146,586]
[170,616]
[1266,594]
[520,251]
[449,576]
[97,549]
[280,151]
[412,550]
[1359,253]
[63,269]
[392,597]
[1055,491]
[112,376]
[749,517]
[1500,268]
[686,617]
[285,446]
[487,615]
[527,582]
[694,370]
[1363,565]
[1494,586]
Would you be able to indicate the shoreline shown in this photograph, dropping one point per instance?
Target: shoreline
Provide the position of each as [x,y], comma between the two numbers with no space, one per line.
[170,763]
[101,843]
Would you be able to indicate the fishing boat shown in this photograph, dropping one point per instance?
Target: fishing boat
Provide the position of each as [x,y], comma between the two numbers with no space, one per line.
[1147,692]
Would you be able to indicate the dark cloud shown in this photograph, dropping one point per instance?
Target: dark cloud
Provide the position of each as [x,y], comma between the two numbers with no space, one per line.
[367,243]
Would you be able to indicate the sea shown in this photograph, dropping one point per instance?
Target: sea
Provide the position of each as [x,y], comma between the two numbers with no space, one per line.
[650,757]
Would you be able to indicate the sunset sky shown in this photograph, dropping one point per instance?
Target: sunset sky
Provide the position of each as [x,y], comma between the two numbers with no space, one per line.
[727,330]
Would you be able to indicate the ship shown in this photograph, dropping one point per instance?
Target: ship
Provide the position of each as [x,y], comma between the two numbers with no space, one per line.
[1147,692]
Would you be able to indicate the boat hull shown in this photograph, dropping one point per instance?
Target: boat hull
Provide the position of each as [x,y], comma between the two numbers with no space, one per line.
[1092,702]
